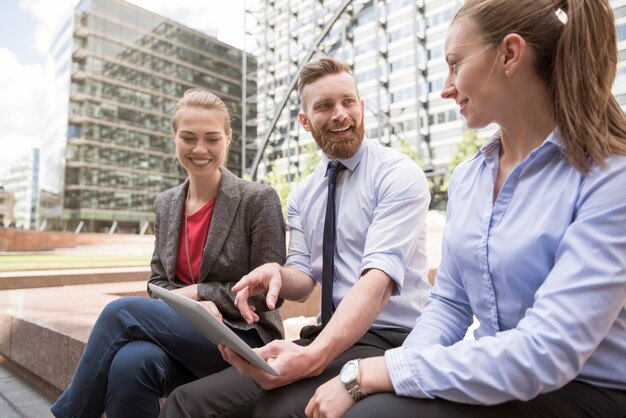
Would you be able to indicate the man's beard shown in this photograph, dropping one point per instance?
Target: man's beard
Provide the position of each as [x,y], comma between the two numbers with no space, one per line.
[338,147]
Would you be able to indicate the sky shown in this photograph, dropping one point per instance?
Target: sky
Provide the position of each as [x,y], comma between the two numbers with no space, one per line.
[26,30]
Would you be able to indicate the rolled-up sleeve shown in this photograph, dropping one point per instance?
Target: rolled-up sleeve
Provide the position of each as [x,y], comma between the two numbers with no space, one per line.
[402,204]
[299,253]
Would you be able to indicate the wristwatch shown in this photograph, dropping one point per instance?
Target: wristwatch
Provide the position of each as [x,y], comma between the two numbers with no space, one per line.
[349,377]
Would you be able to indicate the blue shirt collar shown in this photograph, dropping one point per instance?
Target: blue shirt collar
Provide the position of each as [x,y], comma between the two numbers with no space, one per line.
[493,144]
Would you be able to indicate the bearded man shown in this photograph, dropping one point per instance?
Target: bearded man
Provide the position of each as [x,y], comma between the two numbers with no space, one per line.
[357,228]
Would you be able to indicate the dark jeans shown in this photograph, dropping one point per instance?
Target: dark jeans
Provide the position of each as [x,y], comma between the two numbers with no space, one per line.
[139,350]
[228,394]
[574,400]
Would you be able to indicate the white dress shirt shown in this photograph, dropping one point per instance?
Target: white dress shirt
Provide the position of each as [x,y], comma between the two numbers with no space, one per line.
[382,199]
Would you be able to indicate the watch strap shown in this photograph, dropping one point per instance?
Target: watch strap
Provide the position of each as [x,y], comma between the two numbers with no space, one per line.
[355,391]
[353,388]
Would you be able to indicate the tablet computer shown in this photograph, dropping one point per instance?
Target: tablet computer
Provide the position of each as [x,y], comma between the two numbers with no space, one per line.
[209,326]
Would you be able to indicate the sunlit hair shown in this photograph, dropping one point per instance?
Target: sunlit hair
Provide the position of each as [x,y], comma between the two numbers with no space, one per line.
[314,70]
[201,99]
[576,60]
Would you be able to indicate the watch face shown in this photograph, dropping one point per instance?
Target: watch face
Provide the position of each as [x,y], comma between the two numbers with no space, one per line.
[348,372]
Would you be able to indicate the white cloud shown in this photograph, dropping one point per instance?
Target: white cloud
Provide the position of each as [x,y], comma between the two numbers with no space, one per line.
[47,15]
[20,106]
[225,18]
[212,17]
[22,87]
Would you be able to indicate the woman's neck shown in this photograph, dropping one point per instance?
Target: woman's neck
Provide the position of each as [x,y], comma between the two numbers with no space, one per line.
[528,124]
[201,190]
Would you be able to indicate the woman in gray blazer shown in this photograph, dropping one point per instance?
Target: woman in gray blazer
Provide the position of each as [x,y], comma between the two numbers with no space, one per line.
[209,232]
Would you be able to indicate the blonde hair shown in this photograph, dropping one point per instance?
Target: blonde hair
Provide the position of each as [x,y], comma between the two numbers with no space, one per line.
[577,61]
[203,99]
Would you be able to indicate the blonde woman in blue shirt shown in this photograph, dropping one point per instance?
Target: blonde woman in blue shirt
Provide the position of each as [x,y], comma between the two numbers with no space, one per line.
[535,242]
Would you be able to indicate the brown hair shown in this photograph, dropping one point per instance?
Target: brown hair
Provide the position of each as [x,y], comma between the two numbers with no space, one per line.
[203,99]
[314,70]
[577,61]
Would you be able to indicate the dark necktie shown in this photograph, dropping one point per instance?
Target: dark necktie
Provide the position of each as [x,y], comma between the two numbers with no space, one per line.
[328,249]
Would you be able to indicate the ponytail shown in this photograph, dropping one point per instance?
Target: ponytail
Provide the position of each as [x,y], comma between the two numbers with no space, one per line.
[590,120]
[576,55]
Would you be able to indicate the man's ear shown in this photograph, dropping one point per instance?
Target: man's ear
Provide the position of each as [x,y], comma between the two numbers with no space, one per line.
[304,121]
[512,53]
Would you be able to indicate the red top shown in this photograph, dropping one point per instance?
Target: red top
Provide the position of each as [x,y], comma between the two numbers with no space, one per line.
[198,225]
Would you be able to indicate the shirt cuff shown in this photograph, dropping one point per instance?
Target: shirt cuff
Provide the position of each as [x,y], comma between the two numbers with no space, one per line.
[390,265]
[300,264]
[403,379]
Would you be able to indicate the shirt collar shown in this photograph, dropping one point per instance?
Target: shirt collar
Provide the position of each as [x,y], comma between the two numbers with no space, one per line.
[352,162]
[494,143]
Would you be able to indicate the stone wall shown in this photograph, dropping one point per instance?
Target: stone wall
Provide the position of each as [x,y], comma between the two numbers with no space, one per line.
[12,239]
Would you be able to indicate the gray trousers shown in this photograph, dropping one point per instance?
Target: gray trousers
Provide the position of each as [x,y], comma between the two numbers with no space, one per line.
[574,400]
[228,394]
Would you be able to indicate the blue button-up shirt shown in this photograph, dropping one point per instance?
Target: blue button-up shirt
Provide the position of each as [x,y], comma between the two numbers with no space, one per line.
[382,199]
[543,268]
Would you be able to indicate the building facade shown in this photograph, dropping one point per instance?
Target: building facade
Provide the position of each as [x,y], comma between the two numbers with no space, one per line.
[115,72]
[22,180]
[396,51]
[7,204]
[619,86]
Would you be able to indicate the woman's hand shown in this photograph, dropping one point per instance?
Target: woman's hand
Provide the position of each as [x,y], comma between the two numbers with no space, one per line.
[210,306]
[329,401]
[332,399]
[190,291]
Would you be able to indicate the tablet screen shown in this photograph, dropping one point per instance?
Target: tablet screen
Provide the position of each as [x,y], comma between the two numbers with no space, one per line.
[209,326]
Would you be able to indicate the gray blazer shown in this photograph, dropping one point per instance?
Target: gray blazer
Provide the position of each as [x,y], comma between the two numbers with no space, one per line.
[247,230]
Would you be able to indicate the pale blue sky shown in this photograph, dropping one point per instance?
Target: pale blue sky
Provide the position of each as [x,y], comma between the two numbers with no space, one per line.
[17,27]
[26,29]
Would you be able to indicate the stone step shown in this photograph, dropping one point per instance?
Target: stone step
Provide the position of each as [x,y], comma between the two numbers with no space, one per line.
[49,278]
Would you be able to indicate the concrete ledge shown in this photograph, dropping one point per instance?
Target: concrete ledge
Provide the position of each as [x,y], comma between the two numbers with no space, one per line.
[12,239]
[48,278]
[43,331]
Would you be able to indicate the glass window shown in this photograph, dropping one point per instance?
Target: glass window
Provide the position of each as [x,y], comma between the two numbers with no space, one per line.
[621,30]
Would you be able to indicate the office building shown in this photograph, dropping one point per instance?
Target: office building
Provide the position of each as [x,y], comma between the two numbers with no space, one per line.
[21,179]
[619,86]
[396,51]
[7,204]
[115,71]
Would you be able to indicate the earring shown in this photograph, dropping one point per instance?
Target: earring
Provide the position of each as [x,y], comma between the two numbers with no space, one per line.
[506,73]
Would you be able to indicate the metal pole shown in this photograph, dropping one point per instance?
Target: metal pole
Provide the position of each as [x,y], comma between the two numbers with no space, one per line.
[244,93]
[416,64]
[292,85]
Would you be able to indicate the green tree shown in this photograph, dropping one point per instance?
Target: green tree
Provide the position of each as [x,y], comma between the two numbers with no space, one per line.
[280,184]
[410,150]
[468,147]
[311,158]
[434,184]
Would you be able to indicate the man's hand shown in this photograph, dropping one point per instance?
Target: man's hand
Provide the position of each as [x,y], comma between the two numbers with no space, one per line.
[210,306]
[291,361]
[332,399]
[329,401]
[265,278]
[190,291]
